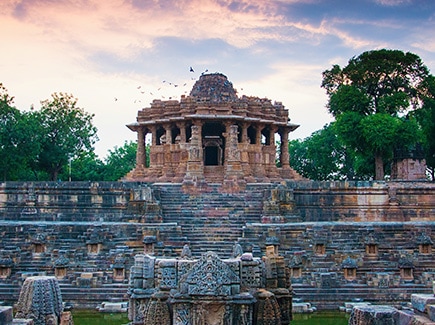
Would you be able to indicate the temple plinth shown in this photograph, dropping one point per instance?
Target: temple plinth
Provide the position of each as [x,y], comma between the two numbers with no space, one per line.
[213,136]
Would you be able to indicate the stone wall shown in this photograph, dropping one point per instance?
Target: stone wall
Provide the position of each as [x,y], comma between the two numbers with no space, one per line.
[340,240]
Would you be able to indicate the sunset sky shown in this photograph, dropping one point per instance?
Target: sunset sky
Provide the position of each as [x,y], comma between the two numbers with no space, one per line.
[116,56]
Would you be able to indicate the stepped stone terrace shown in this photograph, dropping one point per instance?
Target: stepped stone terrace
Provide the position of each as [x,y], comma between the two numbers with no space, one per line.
[212,135]
[212,184]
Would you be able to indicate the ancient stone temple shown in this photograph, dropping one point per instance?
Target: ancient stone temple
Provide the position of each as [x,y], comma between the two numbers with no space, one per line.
[239,290]
[213,135]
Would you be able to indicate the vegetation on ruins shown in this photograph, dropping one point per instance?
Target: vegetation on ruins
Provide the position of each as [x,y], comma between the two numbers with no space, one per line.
[379,100]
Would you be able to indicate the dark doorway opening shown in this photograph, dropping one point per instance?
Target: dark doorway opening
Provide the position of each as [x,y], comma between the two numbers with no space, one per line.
[211,156]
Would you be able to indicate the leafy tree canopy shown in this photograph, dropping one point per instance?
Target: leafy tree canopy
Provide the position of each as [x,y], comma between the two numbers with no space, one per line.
[372,98]
[322,156]
[66,131]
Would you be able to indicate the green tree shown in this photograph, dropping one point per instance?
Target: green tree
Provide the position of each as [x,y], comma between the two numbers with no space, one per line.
[65,132]
[426,118]
[322,156]
[120,161]
[371,99]
[16,139]
[85,167]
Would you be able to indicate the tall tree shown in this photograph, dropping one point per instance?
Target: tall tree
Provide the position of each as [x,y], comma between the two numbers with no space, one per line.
[322,156]
[16,145]
[66,131]
[120,161]
[371,99]
[426,117]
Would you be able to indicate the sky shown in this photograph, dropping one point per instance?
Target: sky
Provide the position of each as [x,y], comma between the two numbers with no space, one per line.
[116,56]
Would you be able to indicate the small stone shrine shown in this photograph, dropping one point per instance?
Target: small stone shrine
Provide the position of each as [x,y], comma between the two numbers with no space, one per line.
[241,290]
[40,300]
[213,136]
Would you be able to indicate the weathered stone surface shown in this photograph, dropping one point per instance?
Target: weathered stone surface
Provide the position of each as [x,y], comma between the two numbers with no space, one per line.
[342,218]
[210,290]
[40,299]
[213,135]
[421,301]
[373,315]
[5,314]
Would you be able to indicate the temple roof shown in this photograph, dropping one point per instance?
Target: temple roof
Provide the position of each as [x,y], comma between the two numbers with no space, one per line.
[215,87]
[213,98]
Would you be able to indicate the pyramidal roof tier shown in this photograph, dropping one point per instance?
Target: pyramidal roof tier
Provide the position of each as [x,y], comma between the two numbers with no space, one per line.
[215,87]
[213,97]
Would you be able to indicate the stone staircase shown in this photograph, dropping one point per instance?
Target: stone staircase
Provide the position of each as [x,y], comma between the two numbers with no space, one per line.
[214,174]
[211,220]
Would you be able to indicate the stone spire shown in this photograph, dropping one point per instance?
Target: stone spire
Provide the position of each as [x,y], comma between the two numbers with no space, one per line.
[214,87]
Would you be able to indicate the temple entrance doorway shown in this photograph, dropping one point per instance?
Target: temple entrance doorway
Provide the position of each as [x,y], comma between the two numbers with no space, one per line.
[213,144]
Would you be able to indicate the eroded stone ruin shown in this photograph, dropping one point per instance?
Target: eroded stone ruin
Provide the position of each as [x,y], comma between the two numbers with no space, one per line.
[240,290]
[212,182]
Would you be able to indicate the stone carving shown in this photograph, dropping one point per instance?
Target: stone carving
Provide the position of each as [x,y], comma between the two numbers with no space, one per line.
[157,311]
[268,311]
[186,252]
[237,250]
[208,291]
[40,299]
[210,276]
[212,111]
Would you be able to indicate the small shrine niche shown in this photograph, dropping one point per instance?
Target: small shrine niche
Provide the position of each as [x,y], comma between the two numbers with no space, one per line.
[371,246]
[320,249]
[38,248]
[148,244]
[372,249]
[296,272]
[349,267]
[424,244]
[406,268]
[6,267]
[60,272]
[38,244]
[272,245]
[296,265]
[119,269]
[94,248]
[425,249]
[350,274]
[61,267]
[407,273]
[118,274]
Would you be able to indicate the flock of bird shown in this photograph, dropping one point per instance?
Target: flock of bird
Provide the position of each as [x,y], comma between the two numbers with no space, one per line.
[164,88]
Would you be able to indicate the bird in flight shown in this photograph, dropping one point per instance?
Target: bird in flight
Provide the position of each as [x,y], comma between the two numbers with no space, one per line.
[191,69]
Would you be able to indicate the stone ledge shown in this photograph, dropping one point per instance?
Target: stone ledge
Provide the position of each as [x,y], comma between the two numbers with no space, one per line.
[421,301]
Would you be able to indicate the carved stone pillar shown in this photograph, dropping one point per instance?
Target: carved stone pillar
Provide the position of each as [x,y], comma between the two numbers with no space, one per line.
[153,129]
[195,165]
[140,153]
[284,156]
[168,134]
[245,138]
[233,174]
[272,132]
[258,134]
[182,127]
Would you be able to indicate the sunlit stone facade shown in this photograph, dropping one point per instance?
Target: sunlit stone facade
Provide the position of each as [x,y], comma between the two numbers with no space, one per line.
[213,136]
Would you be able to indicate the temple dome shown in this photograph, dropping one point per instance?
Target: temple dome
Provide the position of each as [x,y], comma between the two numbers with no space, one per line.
[214,87]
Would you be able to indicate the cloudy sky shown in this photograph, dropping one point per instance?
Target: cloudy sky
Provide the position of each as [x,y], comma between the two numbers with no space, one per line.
[116,56]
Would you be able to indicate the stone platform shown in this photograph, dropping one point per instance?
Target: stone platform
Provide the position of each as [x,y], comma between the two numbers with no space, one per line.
[339,240]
